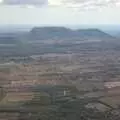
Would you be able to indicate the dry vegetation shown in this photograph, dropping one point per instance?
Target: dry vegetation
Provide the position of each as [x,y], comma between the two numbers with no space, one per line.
[88,71]
[95,75]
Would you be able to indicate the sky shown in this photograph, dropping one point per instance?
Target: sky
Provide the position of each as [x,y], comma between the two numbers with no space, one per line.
[59,12]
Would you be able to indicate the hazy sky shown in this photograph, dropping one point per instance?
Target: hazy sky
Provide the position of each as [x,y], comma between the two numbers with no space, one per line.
[59,12]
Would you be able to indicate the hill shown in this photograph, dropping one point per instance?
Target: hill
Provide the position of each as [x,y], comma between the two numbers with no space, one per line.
[44,33]
[40,40]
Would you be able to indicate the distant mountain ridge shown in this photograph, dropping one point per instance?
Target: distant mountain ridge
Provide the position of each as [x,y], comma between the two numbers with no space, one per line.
[42,33]
[40,40]
[55,33]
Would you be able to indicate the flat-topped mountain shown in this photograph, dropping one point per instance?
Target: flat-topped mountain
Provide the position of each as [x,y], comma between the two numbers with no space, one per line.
[55,33]
[39,33]
[43,33]
[41,40]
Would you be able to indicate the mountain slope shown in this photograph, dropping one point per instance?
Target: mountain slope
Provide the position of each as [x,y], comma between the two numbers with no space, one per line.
[44,33]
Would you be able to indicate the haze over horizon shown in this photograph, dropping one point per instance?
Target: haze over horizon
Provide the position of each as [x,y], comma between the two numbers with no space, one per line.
[59,12]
